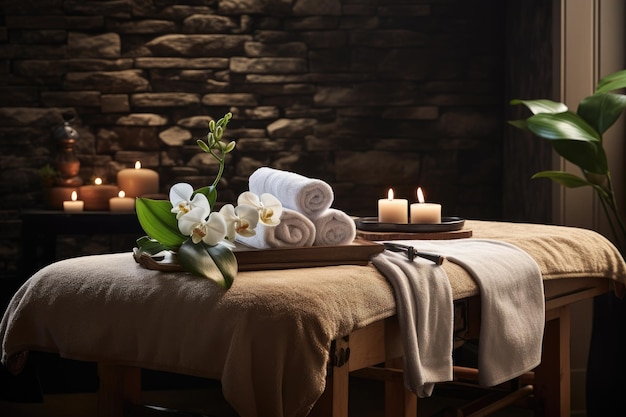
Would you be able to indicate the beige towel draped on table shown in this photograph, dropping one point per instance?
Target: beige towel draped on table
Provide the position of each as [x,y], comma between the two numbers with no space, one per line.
[268,337]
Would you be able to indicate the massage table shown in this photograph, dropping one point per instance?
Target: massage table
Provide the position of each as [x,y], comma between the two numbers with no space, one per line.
[282,342]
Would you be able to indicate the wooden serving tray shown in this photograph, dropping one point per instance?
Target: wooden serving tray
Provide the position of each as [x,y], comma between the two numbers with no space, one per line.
[453,234]
[358,252]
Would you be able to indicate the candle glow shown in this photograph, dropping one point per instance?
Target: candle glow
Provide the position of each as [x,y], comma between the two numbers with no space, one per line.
[121,202]
[139,181]
[98,181]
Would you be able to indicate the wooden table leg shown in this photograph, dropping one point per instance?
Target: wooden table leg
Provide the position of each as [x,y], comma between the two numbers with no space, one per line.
[552,377]
[119,385]
[399,401]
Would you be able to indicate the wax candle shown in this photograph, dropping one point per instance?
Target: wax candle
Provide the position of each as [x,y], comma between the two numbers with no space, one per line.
[392,210]
[74,205]
[425,213]
[122,203]
[97,195]
[138,181]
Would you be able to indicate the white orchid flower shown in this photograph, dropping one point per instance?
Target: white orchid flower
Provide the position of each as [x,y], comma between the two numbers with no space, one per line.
[268,206]
[183,203]
[240,220]
[195,224]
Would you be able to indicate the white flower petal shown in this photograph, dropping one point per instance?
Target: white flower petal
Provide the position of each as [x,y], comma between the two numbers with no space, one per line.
[190,220]
[249,198]
[248,213]
[180,192]
[200,200]
[215,229]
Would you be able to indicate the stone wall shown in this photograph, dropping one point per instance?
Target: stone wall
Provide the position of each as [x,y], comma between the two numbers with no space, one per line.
[365,94]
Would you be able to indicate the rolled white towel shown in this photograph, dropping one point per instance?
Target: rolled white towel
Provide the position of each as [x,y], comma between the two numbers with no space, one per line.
[334,227]
[309,196]
[294,230]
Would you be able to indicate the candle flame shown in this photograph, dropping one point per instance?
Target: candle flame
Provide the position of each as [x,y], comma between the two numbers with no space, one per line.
[98,181]
[74,196]
[390,194]
[137,165]
[420,195]
[121,194]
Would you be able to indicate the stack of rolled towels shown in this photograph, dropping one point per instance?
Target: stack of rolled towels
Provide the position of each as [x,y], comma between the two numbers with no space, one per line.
[307,219]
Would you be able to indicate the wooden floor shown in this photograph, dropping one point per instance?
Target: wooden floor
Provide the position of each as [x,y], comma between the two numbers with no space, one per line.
[365,401]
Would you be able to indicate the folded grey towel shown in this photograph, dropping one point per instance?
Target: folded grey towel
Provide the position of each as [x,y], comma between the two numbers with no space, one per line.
[334,227]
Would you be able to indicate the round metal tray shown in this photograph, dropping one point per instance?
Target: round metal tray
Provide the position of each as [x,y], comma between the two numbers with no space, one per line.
[447,224]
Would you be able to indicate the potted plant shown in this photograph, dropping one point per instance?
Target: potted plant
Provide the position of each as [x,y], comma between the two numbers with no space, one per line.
[577,137]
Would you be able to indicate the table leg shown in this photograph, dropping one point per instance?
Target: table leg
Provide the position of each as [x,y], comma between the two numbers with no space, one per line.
[399,401]
[119,385]
[552,376]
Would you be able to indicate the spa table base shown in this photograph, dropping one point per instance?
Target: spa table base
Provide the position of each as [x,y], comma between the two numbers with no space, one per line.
[120,386]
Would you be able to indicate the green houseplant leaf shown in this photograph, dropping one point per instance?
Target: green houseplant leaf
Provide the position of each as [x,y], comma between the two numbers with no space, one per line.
[542,106]
[217,263]
[611,82]
[602,110]
[158,222]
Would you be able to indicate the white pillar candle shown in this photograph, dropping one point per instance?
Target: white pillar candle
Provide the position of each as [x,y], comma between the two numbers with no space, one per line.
[138,181]
[122,203]
[392,210]
[425,213]
[75,205]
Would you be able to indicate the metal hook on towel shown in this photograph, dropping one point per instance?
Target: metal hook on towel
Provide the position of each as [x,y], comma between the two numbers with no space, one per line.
[411,252]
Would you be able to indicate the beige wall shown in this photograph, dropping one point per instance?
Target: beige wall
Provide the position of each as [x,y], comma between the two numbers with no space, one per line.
[592,43]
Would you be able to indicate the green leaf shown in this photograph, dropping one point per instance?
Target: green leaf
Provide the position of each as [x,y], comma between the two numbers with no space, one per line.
[210,192]
[542,106]
[520,124]
[564,178]
[612,81]
[602,110]
[217,263]
[159,222]
[569,180]
[150,246]
[558,126]
[589,156]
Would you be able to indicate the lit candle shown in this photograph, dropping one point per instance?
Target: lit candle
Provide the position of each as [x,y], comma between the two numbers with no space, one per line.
[392,210]
[425,213]
[138,181]
[96,197]
[73,206]
[122,203]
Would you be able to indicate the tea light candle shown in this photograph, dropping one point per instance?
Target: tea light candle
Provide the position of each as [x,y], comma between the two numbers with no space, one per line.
[425,213]
[392,210]
[75,205]
[122,203]
[96,197]
[138,181]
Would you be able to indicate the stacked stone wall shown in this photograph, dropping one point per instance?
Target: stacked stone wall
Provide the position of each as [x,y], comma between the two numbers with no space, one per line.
[365,94]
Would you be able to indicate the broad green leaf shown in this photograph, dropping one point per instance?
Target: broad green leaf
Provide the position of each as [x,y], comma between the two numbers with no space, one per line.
[589,156]
[210,192]
[612,81]
[217,263]
[602,110]
[542,106]
[150,246]
[559,126]
[570,180]
[564,178]
[159,222]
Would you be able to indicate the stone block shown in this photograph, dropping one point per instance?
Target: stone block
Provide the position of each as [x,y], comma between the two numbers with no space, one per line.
[164,100]
[267,65]
[126,81]
[115,103]
[197,45]
[71,98]
[210,23]
[234,99]
[289,49]
[291,128]
[80,45]
[317,7]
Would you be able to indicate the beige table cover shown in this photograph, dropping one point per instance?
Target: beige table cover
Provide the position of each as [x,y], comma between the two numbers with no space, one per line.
[267,338]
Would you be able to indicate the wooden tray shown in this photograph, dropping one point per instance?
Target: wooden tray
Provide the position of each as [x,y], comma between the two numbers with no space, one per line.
[358,252]
[453,234]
